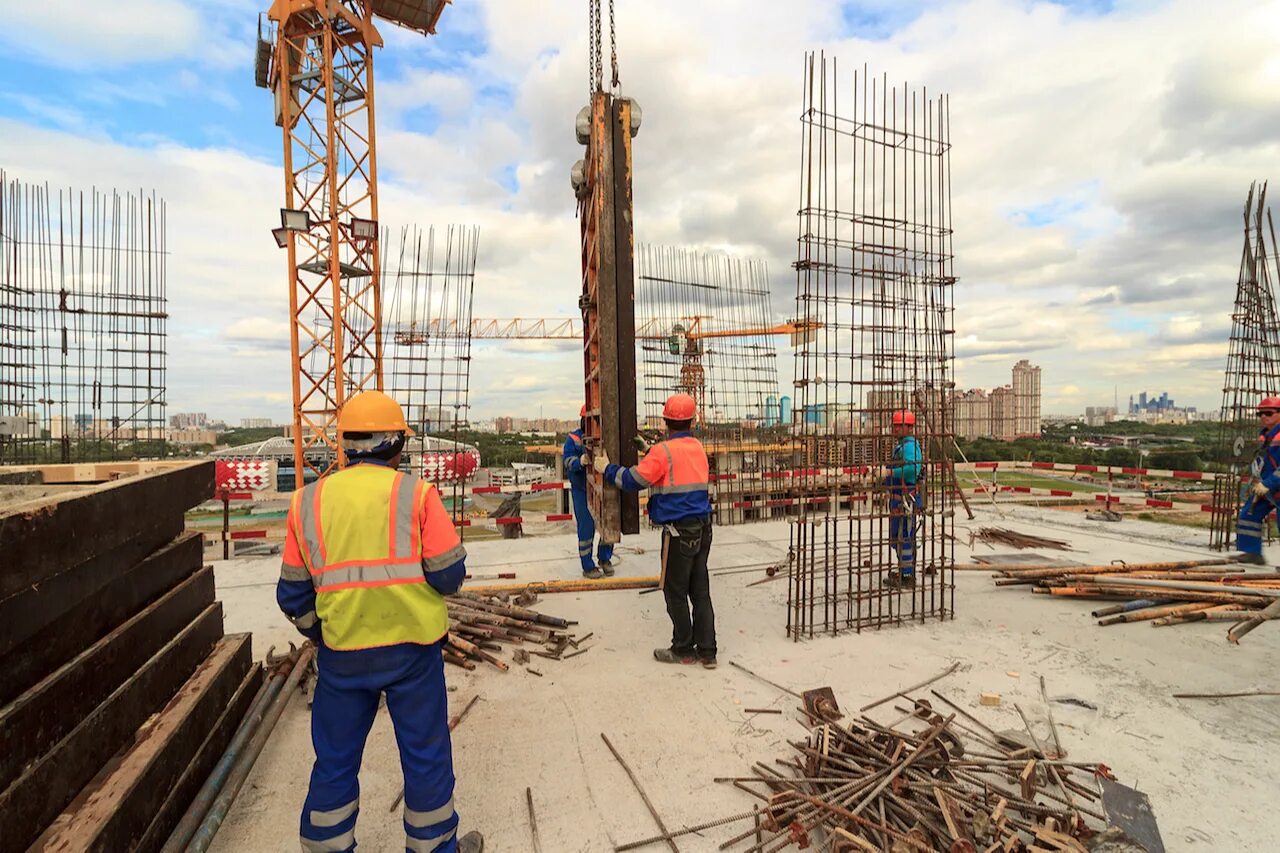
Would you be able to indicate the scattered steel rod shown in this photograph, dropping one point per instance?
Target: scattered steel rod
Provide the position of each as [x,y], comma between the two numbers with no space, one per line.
[765,680]
[904,691]
[662,827]
[533,821]
[1225,695]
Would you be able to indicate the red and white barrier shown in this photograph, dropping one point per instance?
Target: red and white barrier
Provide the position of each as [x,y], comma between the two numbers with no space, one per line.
[244,475]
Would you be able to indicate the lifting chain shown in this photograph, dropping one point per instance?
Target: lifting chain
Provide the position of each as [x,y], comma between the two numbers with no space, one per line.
[593,46]
[613,47]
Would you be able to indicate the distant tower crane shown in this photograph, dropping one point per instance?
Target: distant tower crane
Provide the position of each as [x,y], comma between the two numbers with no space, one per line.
[319,67]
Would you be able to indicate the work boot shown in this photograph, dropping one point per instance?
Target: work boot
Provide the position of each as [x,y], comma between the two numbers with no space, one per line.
[1251,559]
[606,566]
[668,656]
[594,574]
[899,579]
[709,663]
[472,842]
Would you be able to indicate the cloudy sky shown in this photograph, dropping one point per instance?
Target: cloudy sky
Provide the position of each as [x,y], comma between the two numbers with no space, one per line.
[1102,153]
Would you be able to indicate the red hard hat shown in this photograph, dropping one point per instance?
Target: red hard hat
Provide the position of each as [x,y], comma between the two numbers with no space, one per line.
[1270,403]
[904,418]
[582,413]
[679,407]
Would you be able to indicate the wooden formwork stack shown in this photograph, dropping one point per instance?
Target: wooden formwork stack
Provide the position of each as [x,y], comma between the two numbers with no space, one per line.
[118,690]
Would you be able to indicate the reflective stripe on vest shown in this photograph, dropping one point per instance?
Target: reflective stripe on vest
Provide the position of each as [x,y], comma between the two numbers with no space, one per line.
[361,541]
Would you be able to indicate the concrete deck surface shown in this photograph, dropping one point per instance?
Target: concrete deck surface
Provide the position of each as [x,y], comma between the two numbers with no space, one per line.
[1208,765]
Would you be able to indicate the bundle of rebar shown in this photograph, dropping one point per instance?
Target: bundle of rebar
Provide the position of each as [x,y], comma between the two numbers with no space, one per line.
[480,625]
[1014,539]
[1163,593]
[926,781]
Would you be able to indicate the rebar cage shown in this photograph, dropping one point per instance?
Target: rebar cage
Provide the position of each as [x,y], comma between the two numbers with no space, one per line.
[1253,365]
[874,282]
[82,324]
[705,328]
[428,283]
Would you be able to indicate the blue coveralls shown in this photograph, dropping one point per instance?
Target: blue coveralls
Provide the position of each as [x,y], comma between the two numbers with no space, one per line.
[581,509]
[905,501]
[1266,468]
[342,713]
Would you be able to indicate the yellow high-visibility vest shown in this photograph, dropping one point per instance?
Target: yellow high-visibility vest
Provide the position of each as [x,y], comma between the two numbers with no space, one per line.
[368,536]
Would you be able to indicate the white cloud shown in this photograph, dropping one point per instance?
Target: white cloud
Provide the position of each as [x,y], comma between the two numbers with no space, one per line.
[76,34]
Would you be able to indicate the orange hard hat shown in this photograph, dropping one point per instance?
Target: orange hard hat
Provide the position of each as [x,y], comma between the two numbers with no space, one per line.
[679,407]
[582,413]
[904,418]
[1270,403]
[372,411]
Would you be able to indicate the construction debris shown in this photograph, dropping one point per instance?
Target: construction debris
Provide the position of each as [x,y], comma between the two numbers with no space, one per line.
[1014,539]
[925,782]
[481,624]
[1163,593]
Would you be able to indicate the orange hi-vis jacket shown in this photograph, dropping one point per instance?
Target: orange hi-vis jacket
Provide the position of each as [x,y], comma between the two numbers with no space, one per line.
[367,537]
[675,472]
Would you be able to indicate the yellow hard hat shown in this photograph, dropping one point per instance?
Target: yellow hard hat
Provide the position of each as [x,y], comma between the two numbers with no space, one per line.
[372,411]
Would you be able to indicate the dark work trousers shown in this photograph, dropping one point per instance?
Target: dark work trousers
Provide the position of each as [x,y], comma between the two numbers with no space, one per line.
[684,561]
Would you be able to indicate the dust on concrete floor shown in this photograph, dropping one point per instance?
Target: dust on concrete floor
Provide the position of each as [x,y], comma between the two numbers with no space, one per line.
[1205,764]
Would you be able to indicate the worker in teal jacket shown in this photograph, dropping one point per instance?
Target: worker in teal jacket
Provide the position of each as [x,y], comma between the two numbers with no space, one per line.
[902,477]
[1264,486]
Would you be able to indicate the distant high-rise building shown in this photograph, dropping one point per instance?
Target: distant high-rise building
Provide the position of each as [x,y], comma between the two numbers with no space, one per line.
[188,420]
[1026,399]
[255,423]
[1003,417]
[972,414]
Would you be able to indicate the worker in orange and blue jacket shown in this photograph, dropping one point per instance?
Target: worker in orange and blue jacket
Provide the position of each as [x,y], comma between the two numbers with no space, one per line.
[676,473]
[370,553]
[577,471]
[1264,484]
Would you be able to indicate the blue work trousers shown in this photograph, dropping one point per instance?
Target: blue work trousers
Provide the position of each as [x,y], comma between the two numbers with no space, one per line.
[587,530]
[1249,525]
[904,505]
[342,712]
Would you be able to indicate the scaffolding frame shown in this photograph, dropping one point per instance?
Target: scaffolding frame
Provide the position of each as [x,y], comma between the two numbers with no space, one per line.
[874,278]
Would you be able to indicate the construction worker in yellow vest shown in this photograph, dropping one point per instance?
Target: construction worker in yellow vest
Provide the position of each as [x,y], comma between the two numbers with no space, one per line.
[370,553]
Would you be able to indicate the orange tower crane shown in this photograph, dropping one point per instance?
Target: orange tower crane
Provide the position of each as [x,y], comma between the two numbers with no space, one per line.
[319,67]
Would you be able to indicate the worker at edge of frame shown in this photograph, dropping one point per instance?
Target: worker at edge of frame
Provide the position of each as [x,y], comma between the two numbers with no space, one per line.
[677,473]
[1264,484]
[902,478]
[577,471]
[370,553]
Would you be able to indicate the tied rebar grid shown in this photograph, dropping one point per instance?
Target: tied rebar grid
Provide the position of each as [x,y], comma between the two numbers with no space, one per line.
[1253,365]
[705,328]
[429,284]
[874,280]
[82,324]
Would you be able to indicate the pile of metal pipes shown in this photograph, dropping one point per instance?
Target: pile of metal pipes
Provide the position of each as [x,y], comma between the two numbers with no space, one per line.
[1163,593]
[482,624]
[1004,536]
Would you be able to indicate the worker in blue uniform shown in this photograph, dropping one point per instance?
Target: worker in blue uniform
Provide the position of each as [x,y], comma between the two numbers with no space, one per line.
[1264,484]
[577,471]
[902,478]
[369,554]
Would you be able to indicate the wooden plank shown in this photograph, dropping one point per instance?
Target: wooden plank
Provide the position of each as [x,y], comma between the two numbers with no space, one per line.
[40,717]
[114,812]
[44,790]
[184,790]
[41,540]
[92,472]
[56,630]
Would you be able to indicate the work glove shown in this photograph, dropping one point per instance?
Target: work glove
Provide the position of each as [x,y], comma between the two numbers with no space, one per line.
[642,444]
[600,462]
[1261,490]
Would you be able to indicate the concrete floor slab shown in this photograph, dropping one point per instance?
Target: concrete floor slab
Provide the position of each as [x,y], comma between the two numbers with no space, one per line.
[1207,765]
